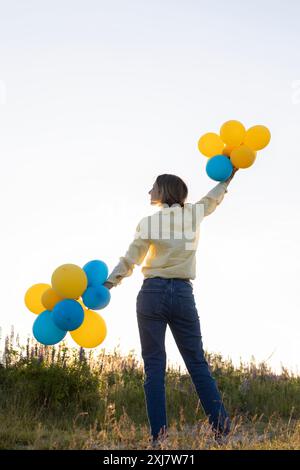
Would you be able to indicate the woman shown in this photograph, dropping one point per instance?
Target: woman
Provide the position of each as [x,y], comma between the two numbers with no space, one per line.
[169,238]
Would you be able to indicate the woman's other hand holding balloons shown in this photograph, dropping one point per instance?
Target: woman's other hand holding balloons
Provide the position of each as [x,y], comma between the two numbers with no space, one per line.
[232,174]
[108,284]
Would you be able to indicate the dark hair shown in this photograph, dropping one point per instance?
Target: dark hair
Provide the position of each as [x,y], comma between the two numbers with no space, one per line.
[172,189]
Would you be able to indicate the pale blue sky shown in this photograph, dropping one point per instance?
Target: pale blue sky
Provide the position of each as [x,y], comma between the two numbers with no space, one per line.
[99,97]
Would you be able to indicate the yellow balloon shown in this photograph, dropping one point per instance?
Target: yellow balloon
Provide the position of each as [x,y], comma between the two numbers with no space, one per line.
[91,332]
[82,304]
[257,137]
[69,281]
[242,157]
[210,144]
[50,299]
[227,150]
[33,298]
[232,133]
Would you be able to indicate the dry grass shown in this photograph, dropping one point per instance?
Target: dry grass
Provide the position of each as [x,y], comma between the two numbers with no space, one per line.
[62,398]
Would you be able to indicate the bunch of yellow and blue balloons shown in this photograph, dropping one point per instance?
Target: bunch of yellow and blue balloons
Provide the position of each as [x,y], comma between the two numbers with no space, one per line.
[68,304]
[234,147]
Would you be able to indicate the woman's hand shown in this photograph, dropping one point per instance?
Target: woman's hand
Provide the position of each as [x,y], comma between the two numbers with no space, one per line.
[232,174]
[108,284]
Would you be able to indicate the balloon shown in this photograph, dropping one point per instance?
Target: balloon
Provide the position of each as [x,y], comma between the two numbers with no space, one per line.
[219,168]
[96,271]
[92,332]
[232,133]
[50,299]
[227,150]
[33,298]
[68,315]
[69,281]
[242,157]
[210,144]
[96,297]
[257,137]
[45,331]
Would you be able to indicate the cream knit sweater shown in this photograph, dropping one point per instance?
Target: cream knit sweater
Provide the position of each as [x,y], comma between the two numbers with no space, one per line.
[167,240]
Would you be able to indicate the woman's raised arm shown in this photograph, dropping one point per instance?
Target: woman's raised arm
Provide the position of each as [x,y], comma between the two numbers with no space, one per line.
[215,196]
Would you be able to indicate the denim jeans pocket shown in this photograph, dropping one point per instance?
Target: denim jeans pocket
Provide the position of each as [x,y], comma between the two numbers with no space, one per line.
[186,304]
[149,301]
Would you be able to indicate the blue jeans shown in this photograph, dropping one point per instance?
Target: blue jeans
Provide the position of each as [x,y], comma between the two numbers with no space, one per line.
[161,302]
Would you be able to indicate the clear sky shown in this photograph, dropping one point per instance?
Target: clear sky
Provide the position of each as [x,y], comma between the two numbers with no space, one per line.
[97,98]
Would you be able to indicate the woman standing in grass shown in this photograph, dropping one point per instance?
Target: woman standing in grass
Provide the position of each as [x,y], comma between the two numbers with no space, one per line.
[169,238]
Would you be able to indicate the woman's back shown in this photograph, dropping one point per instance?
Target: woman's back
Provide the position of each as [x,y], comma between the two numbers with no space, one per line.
[173,234]
[168,239]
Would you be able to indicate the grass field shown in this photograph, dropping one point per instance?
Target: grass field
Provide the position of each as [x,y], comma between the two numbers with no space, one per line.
[67,398]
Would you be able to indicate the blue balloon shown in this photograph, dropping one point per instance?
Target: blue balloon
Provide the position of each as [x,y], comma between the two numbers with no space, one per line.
[68,314]
[96,297]
[219,168]
[45,331]
[96,272]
